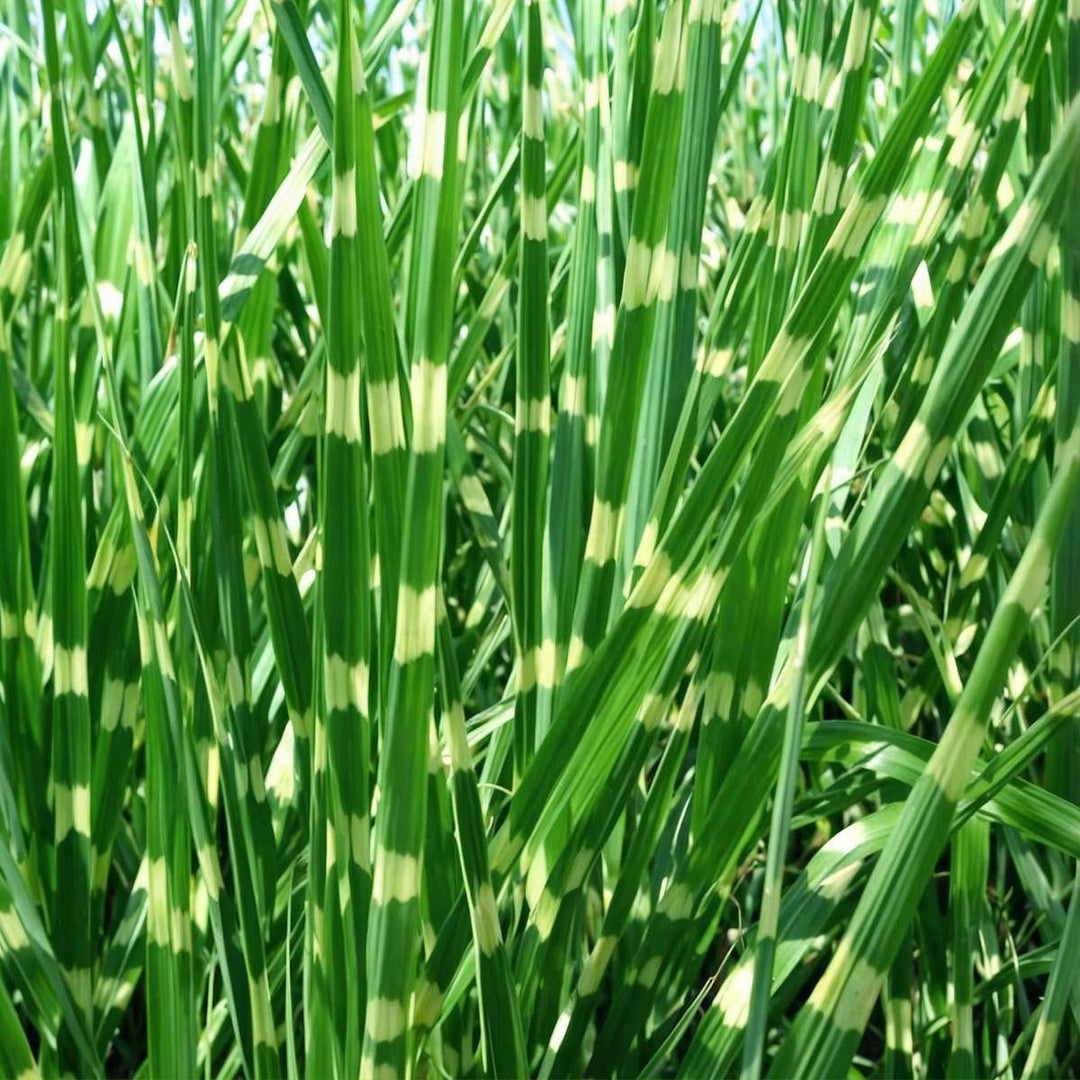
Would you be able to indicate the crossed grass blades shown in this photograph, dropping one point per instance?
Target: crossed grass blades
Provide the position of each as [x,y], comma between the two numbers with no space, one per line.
[539,538]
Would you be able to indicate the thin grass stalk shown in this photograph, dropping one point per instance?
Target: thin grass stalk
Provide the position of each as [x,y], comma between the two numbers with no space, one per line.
[780,827]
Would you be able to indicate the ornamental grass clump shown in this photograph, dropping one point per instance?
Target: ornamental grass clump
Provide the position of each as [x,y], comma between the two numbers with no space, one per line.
[539,539]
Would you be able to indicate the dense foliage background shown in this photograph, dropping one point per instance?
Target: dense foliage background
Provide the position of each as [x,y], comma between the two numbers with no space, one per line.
[539,538]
